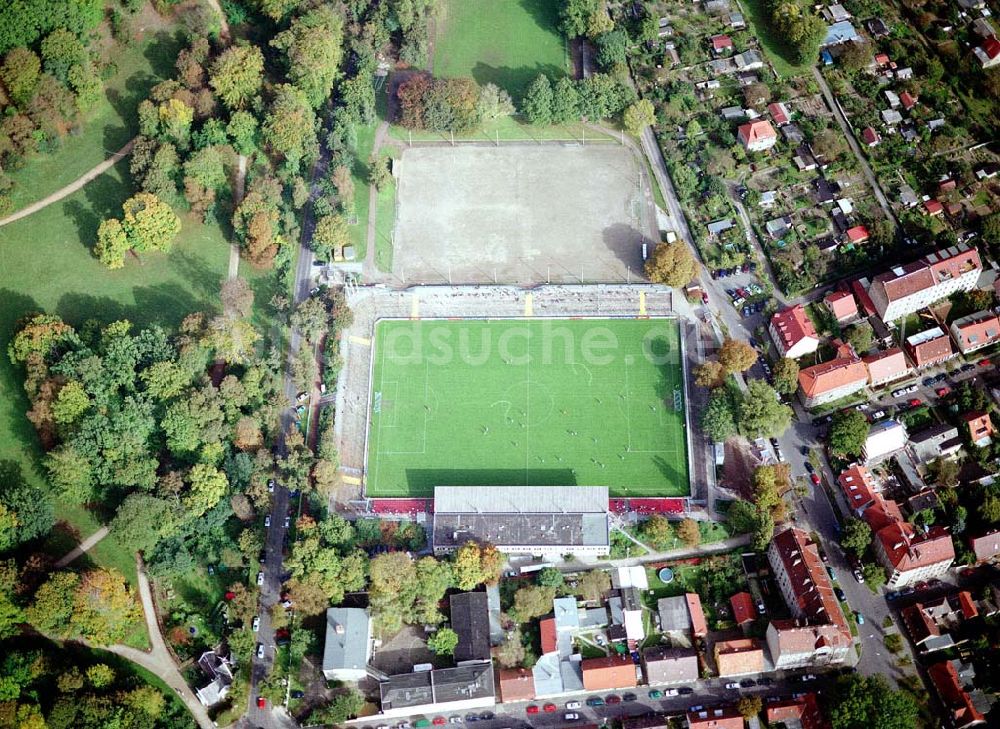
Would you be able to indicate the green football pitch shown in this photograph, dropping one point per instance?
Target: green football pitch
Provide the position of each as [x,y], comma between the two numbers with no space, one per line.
[538,402]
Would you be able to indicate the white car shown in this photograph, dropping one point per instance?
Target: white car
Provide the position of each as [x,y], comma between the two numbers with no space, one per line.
[288,520]
[260,650]
[573,704]
[270,486]
[571,716]
[256,623]
[671,692]
[260,578]
[732,686]
[267,521]
[878,415]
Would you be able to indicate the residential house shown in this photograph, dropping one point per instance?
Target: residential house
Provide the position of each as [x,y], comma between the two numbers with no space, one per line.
[748,61]
[469,686]
[516,684]
[768,198]
[859,487]
[523,520]
[886,366]
[987,170]
[930,624]
[891,117]
[737,21]
[980,427]
[779,113]
[962,712]
[643,721]
[885,438]
[348,645]
[836,13]
[892,98]
[907,197]
[908,288]
[907,100]
[870,137]
[664,666]
[842,306]
[757,136]
[929,347]
[738,657]
[682,618]
[910,556]
[982,28]
[828,381]
[792,134]
[819,632]
[976,331]
[720,226]
[933,208]
[988,53]
[938,441]
[470,619]
[733,113]
[800,712]
[744,610]
[219,669]
[727,717]
[793,332]
[608,672]
[778,228]
[985,547]
[877,27]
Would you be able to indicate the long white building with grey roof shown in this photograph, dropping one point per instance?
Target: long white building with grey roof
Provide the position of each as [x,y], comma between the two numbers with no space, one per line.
[537,520]
[348,646]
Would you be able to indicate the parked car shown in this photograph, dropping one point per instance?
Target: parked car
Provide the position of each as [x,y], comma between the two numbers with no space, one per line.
[985,362]
[531,709]
[573,704]
[260,650]
[942,391]
[260,578]
[685,690]
[829,571]
[968,367]
[296,694]
[764,681]
[859,576]
[595,701]
[732,686]
[915,402]
[288,520]
[571,716]
[840,594]
[267,521]
[256,623]
[940,376]
[656,694]
[270,486]
[671,692]
[302,396]
[455,720]
[928,382]
[612,700]
[747,683]
[629,697]
[814,477]
[439,721]
[549,708]
[877,415]
[809,467]
[809,677]
[261,702]
[697,707]
[859,617]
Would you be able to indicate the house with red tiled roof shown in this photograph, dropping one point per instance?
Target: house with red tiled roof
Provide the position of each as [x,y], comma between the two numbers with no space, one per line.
[932,207]
[980,427]
[828,381]
[887,366]
[985,547]
[906,289]
[857,234]
[962,713]
[721,43]
[793,332]
[779,113]
[802,711]
[818,632]
[929,347]
[870,137]
[547,628]
[744,610]
[858,486]
[910,556]
[988,53]
[757,136]
[738,657]
[908,100]
[719,717]
[608,672]
[516,684]
[842,306]
[699,627]
[976,331]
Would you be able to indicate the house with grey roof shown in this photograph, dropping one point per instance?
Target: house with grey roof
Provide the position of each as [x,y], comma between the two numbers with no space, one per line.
[469,686]
[664,665]
[470,619]
[348,646]
[219,669]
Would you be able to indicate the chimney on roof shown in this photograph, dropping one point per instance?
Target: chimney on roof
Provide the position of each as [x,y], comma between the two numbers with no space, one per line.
[339,630]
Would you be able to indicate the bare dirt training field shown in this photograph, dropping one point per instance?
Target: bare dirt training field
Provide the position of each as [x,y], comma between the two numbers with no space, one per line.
[521,213]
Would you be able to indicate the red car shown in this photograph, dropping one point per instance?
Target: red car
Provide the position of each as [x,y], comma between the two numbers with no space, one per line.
[704,297]
[549,708]
[439,721]
[612,699]
[261,702]
[532,709]
[814,477]
[915,403]
[942,391]
[985,362]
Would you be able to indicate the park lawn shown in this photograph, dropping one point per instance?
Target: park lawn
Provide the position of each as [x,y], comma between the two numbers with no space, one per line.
[385,220]
[365,135]
[106,127]
[508,129]
[46,264]
[505,42]
[527,402]
[771,41]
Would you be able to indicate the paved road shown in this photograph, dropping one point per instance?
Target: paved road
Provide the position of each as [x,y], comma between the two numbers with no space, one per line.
[848,131]
[82,547]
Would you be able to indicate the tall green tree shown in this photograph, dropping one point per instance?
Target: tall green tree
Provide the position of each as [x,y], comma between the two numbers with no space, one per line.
[313,50]
[848,433]
[289,127]
[237,75]
[537,103]
[760,413]
[868,702]
[26,503]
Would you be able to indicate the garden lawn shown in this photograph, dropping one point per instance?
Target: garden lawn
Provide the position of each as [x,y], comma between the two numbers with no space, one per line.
[527,402]
[771,41]
[106,128]
[46,264]
[505,42]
